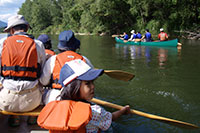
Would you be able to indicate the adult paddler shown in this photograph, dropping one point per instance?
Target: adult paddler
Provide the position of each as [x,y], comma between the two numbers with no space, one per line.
[162,36]
[22,59]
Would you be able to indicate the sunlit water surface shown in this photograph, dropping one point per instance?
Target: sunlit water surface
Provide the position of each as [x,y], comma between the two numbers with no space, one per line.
[166,81]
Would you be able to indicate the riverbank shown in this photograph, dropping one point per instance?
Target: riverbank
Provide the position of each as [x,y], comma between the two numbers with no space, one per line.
[192,35]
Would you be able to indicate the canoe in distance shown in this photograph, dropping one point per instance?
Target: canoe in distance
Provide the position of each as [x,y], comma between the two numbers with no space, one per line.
[169,43]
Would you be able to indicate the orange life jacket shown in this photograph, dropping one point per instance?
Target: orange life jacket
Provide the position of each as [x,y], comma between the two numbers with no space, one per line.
[19,58]
[49,52]
[65,116]
[61,59]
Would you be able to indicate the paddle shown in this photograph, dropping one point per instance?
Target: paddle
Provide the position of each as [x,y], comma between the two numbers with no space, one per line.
[179,44]
[115,35]
[120,75]
[151,116]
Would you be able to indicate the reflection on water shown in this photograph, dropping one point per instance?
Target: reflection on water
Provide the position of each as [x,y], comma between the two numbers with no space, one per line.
[172,92]
[137,52]
[162,57]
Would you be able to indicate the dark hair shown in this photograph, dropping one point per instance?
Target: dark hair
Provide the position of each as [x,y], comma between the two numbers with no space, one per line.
[21,27]
[77,50]
[48,45]
[60,50]
[71,91]
[147,30]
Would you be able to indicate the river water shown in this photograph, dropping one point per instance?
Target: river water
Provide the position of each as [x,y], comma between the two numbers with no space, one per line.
[166,81]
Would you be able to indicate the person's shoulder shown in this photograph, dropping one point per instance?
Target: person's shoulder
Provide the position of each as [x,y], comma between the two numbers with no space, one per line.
[38,42]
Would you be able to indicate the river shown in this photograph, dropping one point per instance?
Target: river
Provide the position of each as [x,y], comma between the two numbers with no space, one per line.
[166,81]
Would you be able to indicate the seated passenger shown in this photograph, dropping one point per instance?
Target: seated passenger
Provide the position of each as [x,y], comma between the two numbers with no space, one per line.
[77,79]
[124,36]
[22,58]
[47,44]
[162,36]
[138,35]
[67,46]
[147,36]
[133,36]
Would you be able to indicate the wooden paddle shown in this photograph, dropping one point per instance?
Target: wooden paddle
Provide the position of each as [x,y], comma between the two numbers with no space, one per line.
[115,35]
[151,116]
[120,75]
[179,44]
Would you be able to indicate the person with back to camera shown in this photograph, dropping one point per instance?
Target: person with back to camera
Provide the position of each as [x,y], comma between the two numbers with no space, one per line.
[67,46]
[162,36]
[77,79]
[22,59]
[138,35]
[45,39]
[133,36]
[147,36]
[124,36]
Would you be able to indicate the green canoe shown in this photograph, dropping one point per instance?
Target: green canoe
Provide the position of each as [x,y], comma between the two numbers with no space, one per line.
[170,43]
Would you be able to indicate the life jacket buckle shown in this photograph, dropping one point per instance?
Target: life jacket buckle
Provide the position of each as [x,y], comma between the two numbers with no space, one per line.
[16,68]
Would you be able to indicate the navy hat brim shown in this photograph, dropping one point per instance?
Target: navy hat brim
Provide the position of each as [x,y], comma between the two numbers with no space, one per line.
[91,74]
[64,45]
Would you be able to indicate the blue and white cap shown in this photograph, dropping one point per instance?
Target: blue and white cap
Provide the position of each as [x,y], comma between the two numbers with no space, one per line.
[78,69]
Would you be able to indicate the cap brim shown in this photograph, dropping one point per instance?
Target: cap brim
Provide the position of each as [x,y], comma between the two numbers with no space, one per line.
[91,74]
[61,45]
[8,27]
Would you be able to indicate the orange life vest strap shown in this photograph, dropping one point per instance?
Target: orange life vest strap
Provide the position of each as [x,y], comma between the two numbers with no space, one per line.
[66,115]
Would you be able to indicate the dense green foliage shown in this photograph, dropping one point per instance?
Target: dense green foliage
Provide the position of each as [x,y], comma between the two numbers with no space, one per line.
[111,16]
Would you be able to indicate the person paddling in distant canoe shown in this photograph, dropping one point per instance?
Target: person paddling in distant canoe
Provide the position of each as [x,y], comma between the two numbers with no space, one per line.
[73,112]
[162,36]
[45,39]
[147,36]
[133,36]
[139,35]
[124,36]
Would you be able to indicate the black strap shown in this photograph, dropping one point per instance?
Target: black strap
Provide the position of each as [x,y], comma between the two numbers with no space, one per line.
[18,68]
[20,78]
[55,81]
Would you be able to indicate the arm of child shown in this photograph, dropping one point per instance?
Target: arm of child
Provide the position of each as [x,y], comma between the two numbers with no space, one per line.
[124,110]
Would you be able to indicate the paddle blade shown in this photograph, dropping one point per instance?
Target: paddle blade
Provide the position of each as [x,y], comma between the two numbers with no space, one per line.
[120,75]
[115,35]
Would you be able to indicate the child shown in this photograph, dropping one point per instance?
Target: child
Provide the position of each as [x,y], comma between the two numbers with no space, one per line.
[47,45]
[78,80]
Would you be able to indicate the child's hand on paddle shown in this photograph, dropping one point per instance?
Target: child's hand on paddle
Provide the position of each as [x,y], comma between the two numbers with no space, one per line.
[126,109]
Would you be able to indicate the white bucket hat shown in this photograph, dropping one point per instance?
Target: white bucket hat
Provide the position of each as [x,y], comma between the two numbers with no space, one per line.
[161,29]
[133,31]
[15,20]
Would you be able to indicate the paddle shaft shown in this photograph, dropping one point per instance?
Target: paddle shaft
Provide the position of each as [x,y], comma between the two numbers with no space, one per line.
[151,116]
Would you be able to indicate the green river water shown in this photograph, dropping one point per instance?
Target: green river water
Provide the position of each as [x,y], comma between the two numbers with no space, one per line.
[166,82]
